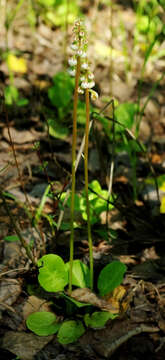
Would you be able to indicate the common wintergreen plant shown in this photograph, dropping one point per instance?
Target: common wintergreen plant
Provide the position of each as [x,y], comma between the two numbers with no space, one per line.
[54,278]
[84,82]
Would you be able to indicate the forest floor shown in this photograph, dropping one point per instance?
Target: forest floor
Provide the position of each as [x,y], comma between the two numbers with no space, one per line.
[139,227]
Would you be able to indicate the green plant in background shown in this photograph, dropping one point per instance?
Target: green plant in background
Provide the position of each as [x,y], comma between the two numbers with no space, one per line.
[60,95]
[148,23]
[55,11]
[54,277]
[15,65]
[97,201]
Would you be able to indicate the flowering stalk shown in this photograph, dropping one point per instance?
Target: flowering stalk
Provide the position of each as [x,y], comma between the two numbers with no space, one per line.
[73,170]
[80,68]
[86,186]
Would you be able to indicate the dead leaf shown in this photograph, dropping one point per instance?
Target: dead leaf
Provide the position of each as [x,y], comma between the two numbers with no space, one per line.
[87,296]
[24,345]
[34,304]
[19,137]
[9,291]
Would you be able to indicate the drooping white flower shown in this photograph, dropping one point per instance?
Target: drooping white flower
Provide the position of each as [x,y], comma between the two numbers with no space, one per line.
[84,54]
[80,91]
[82,78]
[91,84]
[79,52]
[74,46]
[81,33]
[90,76]
[72,72]
[84,85]
[85,66]
[72,61]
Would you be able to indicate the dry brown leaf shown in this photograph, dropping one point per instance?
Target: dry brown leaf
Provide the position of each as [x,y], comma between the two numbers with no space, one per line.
[87,296]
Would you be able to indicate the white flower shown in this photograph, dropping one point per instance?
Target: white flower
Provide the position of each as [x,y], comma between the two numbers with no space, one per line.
[79,52]
[91,84]
[91,76]
[85,85]
[85,66]
[72,61]
[84,54]
[71,72]
[74,46]
[80,91]
[81,33]
[94,95]
[82,78]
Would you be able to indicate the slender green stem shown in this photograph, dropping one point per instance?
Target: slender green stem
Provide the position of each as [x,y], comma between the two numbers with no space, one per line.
[86,186]
[74,138]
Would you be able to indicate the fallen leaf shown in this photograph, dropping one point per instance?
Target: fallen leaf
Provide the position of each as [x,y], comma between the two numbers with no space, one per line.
[24,345]
[87,296]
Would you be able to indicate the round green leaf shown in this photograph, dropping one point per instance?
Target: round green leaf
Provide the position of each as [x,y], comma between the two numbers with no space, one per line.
[57,130]
[110,277]
[80,274]
[52,273]
[70,331]
[98,319]
[42,323]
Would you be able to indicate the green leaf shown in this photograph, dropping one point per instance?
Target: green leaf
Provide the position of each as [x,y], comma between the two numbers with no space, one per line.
[70,331]
[41,205]
[162,3]
[110,277]
[75,302]
[125,115]
[47,3]
[22,102]
[42,323]
[80,274]
[60,94]
[97,204]
[68,203]
[56,130]
[143,24]
[11,238]
[98,319]
[11,94]
[52,273]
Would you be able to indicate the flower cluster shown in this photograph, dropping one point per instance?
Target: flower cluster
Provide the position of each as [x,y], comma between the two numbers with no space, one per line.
[79,46]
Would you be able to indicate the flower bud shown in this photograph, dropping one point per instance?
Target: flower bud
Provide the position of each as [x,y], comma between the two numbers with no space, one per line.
[94,94]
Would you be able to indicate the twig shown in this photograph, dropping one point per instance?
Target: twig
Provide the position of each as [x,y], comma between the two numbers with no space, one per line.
[110,349]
